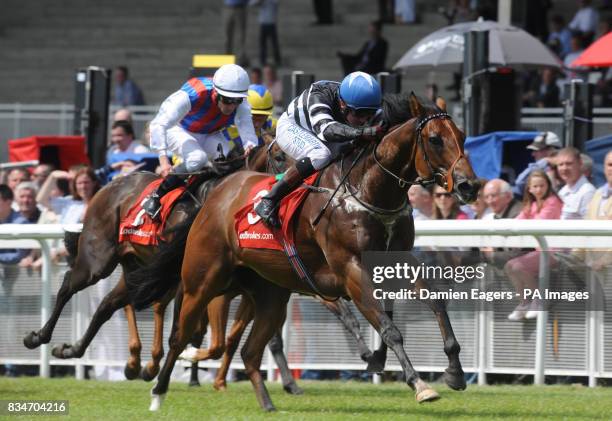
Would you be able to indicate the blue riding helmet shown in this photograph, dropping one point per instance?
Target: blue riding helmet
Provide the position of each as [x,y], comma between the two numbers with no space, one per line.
[360,91]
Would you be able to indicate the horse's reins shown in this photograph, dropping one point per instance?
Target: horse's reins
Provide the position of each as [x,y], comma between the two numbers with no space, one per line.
[447,176]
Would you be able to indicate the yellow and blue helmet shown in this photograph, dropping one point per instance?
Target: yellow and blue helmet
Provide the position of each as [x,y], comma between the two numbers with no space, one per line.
[260,100]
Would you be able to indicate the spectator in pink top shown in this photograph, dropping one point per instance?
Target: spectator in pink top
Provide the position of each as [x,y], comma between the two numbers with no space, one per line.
[540,202]
[445,206]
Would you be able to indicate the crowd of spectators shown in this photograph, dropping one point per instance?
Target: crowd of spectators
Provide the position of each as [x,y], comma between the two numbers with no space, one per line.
[556,185]
[544,88]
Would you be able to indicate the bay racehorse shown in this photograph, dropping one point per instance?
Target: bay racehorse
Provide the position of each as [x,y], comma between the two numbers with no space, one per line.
[95,253]
[372,213]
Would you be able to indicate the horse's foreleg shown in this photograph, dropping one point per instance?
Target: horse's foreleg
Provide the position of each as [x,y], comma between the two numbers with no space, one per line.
[362,294]
[197,293]
[75,280]
[151,369]
[270,310]
[276,347]
[454,376]
[112,302]
[343,312]
[132,367]
[244,315]
[376,364]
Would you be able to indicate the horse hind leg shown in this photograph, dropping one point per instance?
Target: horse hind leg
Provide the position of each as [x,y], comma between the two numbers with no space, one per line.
[151,369]
[196,341]
[270,311]
[132,366]
[87,271]
[453,375]
[244,315]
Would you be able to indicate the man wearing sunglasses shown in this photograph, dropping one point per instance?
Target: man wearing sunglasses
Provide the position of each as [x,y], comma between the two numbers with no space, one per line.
[190,125]
[325,112]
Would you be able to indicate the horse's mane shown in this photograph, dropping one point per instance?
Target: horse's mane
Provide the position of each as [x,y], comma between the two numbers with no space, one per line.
[396,108]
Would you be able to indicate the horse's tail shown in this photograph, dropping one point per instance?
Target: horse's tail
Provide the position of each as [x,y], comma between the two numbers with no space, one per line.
[71,242]
[151,282]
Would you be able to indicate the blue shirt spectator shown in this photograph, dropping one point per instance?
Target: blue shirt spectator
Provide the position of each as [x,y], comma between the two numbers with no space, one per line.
[126,91]
[542,148]
[9,216]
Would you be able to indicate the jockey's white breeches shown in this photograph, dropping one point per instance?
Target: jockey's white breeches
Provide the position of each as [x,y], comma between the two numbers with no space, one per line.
[299,143]
[195,149]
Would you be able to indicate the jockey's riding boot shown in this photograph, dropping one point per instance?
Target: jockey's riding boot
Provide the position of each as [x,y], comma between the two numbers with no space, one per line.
[152,204]
[268,206]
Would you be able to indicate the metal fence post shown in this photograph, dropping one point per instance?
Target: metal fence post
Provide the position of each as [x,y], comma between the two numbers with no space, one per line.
[482,339]
[45,304]
[376,342]
[540,357]
[593,337]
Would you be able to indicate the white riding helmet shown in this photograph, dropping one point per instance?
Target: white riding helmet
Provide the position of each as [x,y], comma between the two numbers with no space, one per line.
[231,80]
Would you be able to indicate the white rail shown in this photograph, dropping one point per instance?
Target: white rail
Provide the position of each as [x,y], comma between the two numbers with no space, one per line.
[589,234]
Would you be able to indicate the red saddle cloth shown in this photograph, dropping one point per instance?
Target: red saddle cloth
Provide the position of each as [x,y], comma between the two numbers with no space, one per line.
[252,232]
[138,228]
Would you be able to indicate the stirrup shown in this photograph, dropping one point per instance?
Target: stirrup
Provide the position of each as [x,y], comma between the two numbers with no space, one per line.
[152,205]
[268,213]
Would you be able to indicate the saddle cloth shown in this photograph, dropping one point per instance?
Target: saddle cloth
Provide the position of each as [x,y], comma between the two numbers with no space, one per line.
[250,229]
[138,228]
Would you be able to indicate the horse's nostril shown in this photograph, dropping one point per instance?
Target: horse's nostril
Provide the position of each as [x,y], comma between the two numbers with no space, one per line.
[464,187]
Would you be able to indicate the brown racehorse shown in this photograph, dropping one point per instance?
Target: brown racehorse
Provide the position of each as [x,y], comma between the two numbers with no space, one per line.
[96,253]
[371,214]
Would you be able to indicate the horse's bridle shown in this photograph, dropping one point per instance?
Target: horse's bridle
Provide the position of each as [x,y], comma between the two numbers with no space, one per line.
[447,176]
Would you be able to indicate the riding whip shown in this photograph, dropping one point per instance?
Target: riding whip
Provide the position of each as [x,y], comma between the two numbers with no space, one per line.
[322,211]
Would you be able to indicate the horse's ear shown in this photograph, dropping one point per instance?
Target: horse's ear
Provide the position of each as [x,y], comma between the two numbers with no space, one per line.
[441,103]
[416,108]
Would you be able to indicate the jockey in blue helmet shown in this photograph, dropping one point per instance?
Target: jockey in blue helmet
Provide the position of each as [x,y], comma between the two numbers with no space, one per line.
[325,112]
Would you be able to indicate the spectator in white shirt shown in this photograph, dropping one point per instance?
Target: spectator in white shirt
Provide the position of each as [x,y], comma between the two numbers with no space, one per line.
[421,201]
[122,139]
[585,20]
[577,192]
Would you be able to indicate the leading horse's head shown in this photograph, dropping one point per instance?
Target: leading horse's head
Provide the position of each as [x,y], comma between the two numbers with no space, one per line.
[439,151]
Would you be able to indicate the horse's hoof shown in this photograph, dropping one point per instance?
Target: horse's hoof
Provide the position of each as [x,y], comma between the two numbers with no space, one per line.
[455,379]
[424,393]
[293,389]
[189,354]
[376,363]
[147,375]
[194,383]
[131,373]
[269,408]
[62,351]
[156,401]
[31,340]
[427,395]
[220,386]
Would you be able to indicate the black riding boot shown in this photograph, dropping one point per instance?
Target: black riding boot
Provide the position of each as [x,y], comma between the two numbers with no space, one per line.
[152,204]
[268,207]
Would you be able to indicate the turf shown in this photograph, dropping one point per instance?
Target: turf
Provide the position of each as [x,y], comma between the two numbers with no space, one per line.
[89,400]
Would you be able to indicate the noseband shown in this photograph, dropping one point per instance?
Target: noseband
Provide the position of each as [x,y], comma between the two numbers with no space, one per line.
[447,176]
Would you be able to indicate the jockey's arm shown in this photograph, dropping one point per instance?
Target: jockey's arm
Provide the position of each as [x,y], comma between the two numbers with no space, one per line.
[337,132]
[171,112]
[244,124]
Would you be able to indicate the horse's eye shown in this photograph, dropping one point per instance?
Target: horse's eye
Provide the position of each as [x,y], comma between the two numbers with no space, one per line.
[436,141]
